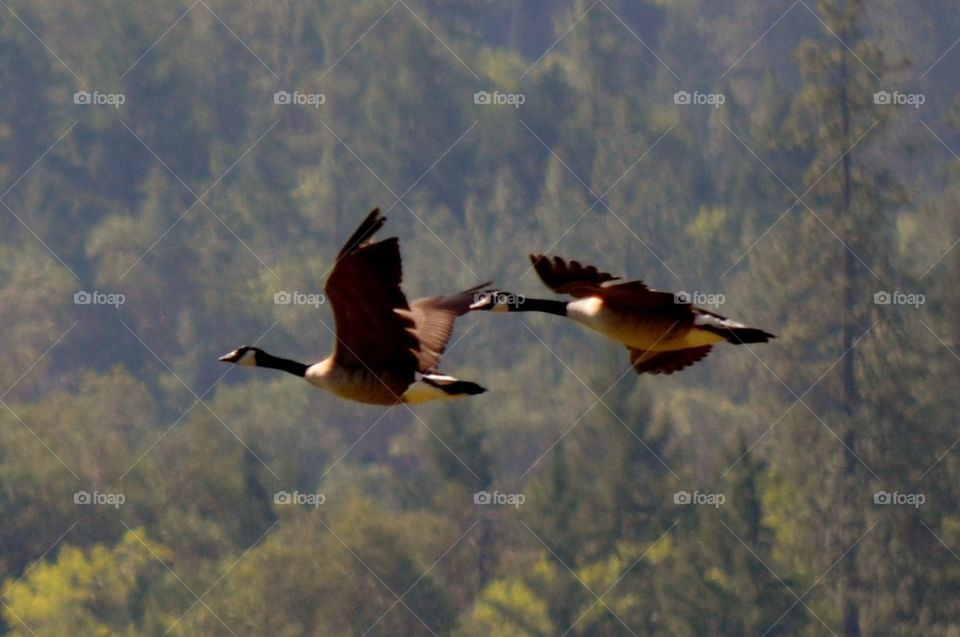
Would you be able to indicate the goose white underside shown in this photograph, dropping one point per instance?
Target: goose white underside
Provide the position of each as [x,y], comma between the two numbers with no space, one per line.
[422,391]
[650,334]
[362,386]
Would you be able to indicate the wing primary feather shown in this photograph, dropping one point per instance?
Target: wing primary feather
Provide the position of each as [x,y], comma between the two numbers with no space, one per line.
[364,233]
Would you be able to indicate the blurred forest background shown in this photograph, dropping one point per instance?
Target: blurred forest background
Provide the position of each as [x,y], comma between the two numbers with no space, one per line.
[822,467]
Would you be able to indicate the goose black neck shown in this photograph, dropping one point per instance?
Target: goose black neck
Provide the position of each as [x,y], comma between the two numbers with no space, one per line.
[547,306]
[285,364]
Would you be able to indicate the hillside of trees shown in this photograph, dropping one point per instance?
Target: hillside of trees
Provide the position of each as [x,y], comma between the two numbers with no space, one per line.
[167,169]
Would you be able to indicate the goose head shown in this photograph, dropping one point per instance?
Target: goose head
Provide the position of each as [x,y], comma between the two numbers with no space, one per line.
[246,355]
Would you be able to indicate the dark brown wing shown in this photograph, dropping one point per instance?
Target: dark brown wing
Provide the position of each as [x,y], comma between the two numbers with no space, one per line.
[364,289]
[573,278]
[647,362]
[364,234]
[583,281]
[434,318]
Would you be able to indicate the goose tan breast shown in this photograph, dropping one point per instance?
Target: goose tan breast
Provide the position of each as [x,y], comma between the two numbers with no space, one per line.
[642,330]
[362,385]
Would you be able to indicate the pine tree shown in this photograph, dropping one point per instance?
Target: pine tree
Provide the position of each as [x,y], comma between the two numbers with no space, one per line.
[844,220]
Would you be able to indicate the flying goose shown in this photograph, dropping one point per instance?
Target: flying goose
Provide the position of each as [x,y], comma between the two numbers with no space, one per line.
[387,350]
[663,333]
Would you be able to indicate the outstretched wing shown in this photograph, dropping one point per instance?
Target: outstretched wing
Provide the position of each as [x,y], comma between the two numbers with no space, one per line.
[364,289]
[647,362]
[583,281]
[434,318]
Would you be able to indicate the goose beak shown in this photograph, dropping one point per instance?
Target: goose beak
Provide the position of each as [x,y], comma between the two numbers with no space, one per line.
[246,355]
[231,357]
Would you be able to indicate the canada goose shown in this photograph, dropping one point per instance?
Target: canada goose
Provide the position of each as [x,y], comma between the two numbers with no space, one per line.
[663,333]
[387,350]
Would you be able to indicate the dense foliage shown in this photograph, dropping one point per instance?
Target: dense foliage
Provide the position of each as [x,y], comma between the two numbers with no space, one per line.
[176,165]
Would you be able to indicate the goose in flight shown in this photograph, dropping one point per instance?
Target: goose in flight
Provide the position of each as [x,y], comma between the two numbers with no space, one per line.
[663,333]
[387,350]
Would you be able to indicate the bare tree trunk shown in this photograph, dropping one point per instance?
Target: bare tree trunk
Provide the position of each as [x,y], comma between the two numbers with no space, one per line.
[851,612]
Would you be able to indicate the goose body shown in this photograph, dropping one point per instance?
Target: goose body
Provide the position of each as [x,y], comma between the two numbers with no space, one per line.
[362,385]
[663,334]
[653,331]
[387,349]
[356,383]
